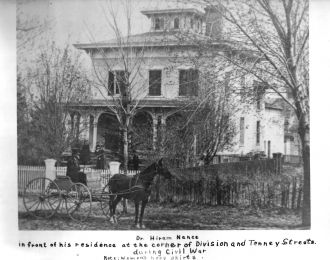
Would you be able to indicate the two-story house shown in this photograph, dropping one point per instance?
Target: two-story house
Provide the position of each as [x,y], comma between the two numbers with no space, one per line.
[164,80]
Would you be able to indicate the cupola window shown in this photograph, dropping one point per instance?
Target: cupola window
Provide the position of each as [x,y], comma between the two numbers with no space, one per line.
[159,23]
[176,23]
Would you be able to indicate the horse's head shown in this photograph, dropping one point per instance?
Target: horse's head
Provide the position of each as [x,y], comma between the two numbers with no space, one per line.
[162,170]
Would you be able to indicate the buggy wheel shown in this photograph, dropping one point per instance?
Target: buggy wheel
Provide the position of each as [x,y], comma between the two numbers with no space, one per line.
[42,197]
[78,202]
[105,201]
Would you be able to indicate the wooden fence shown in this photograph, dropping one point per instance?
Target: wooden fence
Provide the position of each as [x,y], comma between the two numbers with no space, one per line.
[96,178]
[26,174]
[292,159]
[249,183]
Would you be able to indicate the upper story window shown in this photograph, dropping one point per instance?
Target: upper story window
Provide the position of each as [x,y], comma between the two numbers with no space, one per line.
[176,23]
[258,133]
[159,23]
[188,82]
[117,82]
[241,131]
[208,29]
[259,92]
[155,82]
[242,87]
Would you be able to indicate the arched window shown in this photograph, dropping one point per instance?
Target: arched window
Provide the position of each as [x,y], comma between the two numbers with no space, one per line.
[176,23]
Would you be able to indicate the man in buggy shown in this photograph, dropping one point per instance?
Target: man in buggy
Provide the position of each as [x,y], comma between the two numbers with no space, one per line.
[73,168]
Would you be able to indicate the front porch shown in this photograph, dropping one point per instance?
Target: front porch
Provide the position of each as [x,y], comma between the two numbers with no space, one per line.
[94,124]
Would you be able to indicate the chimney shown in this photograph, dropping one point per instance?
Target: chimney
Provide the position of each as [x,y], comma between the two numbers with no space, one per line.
[213,21]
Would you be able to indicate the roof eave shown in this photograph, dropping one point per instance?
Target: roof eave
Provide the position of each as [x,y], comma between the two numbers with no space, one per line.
[148,13]
[109,46]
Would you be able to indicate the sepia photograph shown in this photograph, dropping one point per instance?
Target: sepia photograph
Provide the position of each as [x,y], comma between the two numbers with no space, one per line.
[163,115]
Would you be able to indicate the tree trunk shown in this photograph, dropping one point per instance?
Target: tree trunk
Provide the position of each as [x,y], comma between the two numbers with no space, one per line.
[125,149]
[125,155]
[306,210]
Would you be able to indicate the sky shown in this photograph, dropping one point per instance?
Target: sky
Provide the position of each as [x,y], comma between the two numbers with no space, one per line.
[76,21]
[80,21]
[83,21]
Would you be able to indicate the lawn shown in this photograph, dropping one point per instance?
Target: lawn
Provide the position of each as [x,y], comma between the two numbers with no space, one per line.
[172,217]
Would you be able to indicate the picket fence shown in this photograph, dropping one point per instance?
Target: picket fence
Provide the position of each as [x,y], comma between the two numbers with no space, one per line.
[251,183]
[232,192]
[96,178]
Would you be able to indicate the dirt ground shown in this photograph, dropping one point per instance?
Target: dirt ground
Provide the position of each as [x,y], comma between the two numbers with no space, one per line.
[171,217]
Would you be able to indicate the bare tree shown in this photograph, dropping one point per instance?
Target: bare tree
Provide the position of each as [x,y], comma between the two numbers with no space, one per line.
[275,35]
[57,81]
[119,73]
[207,126]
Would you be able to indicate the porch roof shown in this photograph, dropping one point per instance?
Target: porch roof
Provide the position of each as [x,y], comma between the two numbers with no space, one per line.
[152,103]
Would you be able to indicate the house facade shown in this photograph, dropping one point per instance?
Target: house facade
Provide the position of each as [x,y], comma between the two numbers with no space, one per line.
[165,80]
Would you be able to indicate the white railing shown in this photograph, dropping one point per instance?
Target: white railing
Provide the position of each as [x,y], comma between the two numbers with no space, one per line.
[28,173]
[96,178]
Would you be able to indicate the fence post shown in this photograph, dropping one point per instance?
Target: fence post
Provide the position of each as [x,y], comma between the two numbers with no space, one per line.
[114,167]
[278,162]
[50,169]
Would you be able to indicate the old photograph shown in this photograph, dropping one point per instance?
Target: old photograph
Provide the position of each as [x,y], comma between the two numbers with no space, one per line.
[163,115]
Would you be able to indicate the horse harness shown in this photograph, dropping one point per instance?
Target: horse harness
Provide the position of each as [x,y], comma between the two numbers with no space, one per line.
[136,185]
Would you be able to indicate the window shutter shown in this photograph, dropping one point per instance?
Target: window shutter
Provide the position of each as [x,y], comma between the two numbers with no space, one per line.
[194,82]
[258,133]
[241,131]
[121,82]
[188,82]
[182,83]
[111,82]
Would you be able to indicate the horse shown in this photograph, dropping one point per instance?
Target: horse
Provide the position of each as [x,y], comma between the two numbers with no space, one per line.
[136,188]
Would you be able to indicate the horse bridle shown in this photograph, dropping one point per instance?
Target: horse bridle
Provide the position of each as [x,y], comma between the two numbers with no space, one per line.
[144,181]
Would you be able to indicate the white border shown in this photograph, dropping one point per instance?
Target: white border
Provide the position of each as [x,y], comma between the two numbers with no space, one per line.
[320,85]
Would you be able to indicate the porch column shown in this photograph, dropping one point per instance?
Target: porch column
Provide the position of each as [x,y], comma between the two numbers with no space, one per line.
[162,129]
[94,135]
[68,126]
[91,132]
[85,127]
[154,132]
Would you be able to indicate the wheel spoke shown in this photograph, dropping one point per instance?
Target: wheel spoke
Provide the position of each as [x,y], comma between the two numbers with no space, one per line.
[71,207]
[78,202]
[34,204]
[40,201]
[51,203]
